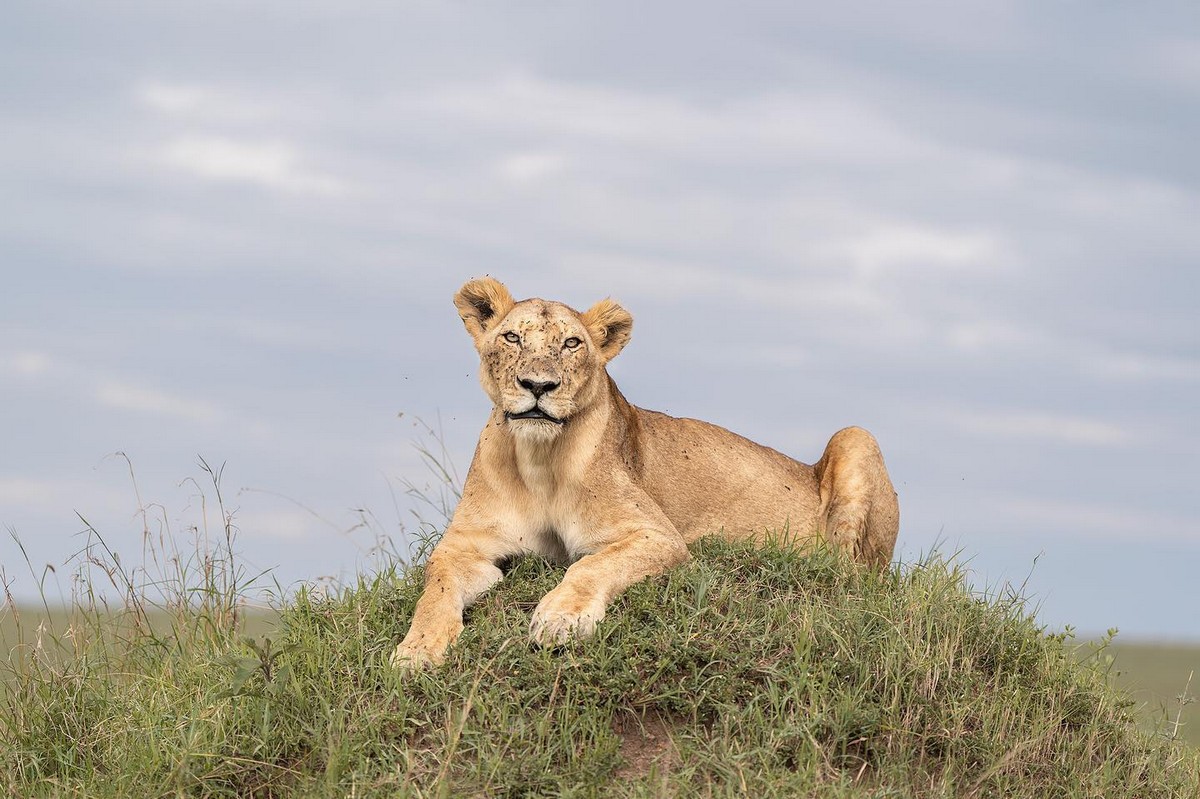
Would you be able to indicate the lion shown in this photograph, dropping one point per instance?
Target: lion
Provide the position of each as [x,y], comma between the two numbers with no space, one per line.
[567,469]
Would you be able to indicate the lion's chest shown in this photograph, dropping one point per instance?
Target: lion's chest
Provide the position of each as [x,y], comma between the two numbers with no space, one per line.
[548,517]
[559,538]
[555,528]
[551,507]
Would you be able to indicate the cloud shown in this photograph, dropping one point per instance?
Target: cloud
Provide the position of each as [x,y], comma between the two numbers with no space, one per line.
[531,166]
[208,104]
[982,335]
[29,363]
[1096,518]
[287,525]
[274,165]
[261,332]
[14,491]
[907,247]
[1175,60]
[123,396]
[811,125]
[1040,425]
[57,498]
[171,98]
[1143,367]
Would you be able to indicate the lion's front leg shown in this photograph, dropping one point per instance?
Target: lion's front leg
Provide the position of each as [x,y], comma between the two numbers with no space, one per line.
[578,603]
[454,577]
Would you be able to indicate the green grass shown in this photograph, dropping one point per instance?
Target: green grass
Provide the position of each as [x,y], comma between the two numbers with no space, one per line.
[757,672]
[1157,676]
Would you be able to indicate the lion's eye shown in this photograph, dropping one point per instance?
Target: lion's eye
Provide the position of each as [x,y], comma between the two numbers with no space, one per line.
[512,338]
[572,343]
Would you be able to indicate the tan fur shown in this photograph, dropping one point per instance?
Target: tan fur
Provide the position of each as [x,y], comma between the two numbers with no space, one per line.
[616,491]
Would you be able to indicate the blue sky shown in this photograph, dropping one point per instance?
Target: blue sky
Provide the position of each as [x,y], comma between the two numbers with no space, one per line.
[232,230]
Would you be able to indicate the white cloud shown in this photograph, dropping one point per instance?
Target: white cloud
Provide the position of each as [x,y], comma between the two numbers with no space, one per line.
[1142,367]
[1175,61]
[889,247]
[30,363]
[21,491]
[530,167]
[1089,518]
[981,335]
[273,165]
[210,104]
[287,525]
[173,98]
[257,332]
[146,400]
[59,497]
[1042,426]
[816,125]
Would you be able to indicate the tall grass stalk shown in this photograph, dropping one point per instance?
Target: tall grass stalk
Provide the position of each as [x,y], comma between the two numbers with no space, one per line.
[749,671]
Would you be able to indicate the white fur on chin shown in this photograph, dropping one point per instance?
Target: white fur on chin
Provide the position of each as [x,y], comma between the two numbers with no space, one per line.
[535,431]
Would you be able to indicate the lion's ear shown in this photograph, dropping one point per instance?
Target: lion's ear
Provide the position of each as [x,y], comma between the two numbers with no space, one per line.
[610,326]
[482,303]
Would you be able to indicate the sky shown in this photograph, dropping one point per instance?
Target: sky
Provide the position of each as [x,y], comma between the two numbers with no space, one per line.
[232,231]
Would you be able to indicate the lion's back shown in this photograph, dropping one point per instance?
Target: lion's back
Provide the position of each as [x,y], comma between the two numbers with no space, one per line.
[708,480]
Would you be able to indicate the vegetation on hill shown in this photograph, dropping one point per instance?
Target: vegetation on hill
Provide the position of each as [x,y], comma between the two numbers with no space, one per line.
[760,672]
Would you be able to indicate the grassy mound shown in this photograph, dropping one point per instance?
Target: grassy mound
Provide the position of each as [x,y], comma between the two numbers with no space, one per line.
[746,672]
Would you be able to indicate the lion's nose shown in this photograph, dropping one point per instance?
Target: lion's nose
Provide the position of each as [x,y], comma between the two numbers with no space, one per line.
[538,387]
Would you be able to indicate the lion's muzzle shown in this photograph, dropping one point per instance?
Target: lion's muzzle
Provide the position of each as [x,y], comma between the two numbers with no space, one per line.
[533,413]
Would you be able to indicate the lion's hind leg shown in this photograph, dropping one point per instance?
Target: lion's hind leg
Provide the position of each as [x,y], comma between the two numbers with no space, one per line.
[859,512]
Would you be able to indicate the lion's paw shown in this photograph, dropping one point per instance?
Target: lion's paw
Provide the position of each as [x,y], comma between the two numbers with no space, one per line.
[556,620]
[421,651]
[411,658]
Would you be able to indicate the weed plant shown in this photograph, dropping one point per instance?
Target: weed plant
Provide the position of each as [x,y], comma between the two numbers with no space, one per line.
[747,672]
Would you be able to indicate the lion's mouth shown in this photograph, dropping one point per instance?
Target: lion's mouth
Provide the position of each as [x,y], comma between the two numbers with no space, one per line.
[533,413]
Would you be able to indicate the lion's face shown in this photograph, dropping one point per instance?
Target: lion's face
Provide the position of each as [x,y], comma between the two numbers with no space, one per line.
[541,362]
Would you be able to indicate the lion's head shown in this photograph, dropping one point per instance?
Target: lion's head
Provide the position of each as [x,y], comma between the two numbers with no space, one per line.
[541,362]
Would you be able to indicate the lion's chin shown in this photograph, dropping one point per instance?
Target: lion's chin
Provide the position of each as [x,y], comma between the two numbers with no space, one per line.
[535,430]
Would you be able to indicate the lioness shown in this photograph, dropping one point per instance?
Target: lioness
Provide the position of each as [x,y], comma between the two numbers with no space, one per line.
[569,470]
